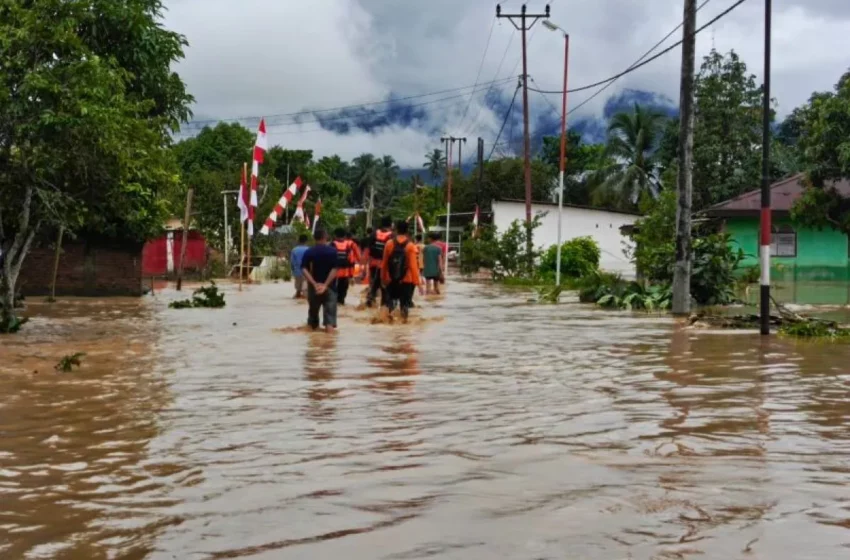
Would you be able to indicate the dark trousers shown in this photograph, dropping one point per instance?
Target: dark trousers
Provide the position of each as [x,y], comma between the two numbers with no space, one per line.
[342,289]
[375,286]
[401,294]
[326,302]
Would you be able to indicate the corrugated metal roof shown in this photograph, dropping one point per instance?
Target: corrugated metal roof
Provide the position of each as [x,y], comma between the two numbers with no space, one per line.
[782,197]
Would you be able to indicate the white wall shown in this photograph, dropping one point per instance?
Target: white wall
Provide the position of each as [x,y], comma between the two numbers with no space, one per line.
[601,225]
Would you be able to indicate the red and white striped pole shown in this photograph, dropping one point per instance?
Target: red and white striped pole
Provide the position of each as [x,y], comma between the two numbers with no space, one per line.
[765,180]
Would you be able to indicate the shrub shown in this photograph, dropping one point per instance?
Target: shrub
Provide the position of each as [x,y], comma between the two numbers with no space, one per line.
[579,258]
[506,256]
[205,296]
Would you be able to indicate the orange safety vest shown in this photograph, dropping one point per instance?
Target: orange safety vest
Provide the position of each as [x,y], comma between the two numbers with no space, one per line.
[344,258]
[376,249]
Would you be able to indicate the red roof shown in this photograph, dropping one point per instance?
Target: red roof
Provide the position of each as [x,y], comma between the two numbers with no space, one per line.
[782,197]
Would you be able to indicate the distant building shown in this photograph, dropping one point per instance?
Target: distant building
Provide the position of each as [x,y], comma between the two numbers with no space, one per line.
[797,254]
[577,221]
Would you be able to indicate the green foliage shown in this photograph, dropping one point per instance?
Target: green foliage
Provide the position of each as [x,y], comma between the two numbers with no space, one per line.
[205,296]
[549,294]
[598,284]
[637,297]
[68,363]
[10,324]
[814,329]
[715,261]
[579,257]
[504,255]
[435,163]
[582,161]
[633,171]
[727,130]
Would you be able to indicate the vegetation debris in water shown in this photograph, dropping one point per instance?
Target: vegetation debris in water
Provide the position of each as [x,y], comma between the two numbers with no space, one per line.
[67,363]
[205,296]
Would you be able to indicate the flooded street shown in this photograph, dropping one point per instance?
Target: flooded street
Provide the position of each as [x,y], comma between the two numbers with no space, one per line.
[486,428]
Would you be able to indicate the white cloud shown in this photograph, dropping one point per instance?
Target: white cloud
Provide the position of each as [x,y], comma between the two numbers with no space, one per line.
[265,57]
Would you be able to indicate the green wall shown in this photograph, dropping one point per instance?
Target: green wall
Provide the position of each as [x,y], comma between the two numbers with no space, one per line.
[821,254]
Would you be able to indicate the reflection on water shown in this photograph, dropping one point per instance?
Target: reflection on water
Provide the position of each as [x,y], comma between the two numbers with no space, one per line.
[485,428]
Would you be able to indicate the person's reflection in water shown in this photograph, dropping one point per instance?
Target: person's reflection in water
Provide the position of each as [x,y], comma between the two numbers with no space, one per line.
[320,363]
[398,368]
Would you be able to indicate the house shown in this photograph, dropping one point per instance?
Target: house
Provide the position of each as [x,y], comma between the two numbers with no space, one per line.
[604,226]
[797,254]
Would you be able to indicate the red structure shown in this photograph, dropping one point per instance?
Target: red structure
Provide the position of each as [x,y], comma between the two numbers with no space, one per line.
[161,256]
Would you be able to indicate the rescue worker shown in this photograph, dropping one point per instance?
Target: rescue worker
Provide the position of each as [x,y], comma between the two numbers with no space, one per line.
[347,254]
[400,271]
[374,255]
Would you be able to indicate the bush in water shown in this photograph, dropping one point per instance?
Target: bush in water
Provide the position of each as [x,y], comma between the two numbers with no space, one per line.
[579,258]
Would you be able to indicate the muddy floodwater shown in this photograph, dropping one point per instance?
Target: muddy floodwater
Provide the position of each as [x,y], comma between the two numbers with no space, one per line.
[486,428]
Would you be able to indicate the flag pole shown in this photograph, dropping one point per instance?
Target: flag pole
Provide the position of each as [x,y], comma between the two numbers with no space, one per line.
[242,241]
[248,240]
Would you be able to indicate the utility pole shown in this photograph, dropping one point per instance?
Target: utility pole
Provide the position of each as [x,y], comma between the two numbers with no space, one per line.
[684,194]
[227,230]
[449,141]
[523,27]
[480,171]
[765,179]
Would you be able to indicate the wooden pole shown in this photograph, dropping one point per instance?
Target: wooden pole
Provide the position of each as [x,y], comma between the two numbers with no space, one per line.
[186,218]
[56,263]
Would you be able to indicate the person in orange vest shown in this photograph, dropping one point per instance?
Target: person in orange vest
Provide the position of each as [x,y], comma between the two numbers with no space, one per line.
[347,253]
[400,270]
[374,255]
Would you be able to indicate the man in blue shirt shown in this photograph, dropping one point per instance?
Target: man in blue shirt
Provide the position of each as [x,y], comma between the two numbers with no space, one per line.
[295,260]
[319,266]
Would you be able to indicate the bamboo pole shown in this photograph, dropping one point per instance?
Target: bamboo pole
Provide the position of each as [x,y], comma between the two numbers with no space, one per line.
[186,218]
[241,256]
[56,263]
[250,237]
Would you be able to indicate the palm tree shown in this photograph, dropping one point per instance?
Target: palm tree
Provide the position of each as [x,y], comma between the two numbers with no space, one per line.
[435,163]
[632,144]
[389,170]
[366,170]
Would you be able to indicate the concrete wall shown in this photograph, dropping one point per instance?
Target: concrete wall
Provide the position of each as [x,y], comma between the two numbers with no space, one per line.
[84,270]
[603,226]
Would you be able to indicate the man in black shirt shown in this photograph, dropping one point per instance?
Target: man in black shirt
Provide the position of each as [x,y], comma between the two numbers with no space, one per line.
[320,269]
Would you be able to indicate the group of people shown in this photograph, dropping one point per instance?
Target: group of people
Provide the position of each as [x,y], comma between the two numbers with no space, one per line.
[396,265]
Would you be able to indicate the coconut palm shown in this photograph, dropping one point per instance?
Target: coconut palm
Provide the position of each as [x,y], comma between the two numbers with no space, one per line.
[435,163]
[632,144]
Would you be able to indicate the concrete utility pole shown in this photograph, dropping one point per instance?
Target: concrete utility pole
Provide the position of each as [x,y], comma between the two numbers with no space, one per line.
[186,219]
[684,195]
[480,172]
[765,179]
[523,27]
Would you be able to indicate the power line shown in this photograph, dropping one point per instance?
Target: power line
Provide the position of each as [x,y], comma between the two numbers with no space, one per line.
[647,61]
[507,116]
[474,122]
[480,68]
[647,53]
[354,106]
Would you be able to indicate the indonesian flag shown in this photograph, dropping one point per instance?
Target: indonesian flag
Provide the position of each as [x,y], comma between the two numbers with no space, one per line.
[421,223]
[316,213]
[260,148]
[475,222]
[299,210]
[285,199]
[244,199]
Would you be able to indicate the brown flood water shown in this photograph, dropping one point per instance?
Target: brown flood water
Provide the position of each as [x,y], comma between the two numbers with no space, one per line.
[486,428]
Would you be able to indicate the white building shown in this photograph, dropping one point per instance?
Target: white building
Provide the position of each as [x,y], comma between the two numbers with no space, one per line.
[577,221]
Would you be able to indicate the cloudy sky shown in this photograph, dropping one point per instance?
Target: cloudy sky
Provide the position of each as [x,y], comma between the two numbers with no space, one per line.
[251,58]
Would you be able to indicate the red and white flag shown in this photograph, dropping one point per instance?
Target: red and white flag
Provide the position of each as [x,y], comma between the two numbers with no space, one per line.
[316,213]
[260,148]
[299,210]
[475,222]
[244,200]
[285,199]
[421,223]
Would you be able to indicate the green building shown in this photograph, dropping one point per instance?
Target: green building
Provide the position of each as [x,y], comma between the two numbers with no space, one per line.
[810,266]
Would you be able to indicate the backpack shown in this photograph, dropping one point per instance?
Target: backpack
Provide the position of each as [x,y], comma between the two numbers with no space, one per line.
[342,254]
[379,241]
[398,262]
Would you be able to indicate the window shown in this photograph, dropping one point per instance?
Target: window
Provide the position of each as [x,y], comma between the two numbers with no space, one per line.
[783,242]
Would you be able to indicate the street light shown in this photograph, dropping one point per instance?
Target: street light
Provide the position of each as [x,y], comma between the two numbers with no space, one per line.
[554,27]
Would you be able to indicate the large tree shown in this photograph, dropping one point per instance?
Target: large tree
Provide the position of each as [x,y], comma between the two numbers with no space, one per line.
[583,160]
[824,140]
[727,130]
[87,102]
[435,163]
